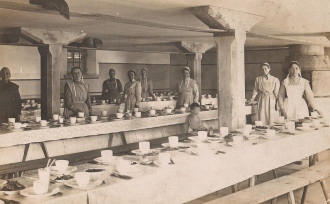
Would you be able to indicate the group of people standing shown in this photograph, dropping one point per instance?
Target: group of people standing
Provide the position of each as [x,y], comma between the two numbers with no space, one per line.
[290,98]
[77,97]
[293,97]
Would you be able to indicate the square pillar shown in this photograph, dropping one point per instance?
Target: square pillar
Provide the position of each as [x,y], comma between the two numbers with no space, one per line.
[231,78]
[50,79]
[195,65]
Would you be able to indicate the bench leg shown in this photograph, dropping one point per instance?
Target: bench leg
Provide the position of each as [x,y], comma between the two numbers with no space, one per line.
[304,195]
[325,191]
[274,200]
[291,198]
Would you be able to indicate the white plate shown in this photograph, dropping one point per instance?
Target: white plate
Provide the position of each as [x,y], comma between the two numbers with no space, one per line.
[29,192]
[234,144]
[91,185]
[196,139]
[303,129]
[132,171]
[79,120]
[10,192]
[70,169]
[180,144]
[118,119]
[102,161]
[103,117]
[157,162]
[138,152]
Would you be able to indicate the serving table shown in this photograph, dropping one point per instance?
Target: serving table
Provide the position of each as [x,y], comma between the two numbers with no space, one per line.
[193,176]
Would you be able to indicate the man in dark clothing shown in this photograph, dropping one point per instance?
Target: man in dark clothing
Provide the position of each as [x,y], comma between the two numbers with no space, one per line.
[10,99]
[112,88]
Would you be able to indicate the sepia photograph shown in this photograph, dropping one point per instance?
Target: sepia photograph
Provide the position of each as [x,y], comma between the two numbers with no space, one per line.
[164,102]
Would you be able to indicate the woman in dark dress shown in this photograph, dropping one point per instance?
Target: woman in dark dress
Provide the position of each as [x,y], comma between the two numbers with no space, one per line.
[10,99]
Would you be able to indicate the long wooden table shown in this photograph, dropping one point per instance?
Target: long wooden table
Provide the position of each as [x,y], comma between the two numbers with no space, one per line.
[193,176]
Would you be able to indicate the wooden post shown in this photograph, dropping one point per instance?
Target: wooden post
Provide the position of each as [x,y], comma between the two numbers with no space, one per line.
[50,54]
[230,52]
[195,65]
[50,79]
[231,78]
[195,59]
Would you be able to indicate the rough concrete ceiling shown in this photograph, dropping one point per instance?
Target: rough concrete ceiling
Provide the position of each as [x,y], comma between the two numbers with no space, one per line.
[292,21]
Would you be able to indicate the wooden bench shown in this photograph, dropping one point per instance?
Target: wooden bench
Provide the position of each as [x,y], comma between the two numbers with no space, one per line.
[280,186]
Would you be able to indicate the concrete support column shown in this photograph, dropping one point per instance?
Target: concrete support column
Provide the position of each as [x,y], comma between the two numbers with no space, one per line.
[51,61]
[231,78]
[195,65]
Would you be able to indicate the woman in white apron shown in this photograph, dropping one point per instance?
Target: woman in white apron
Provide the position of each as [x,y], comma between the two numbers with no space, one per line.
[266,87]
[187,89]
[132,92]
[146,85]
[293,88]
[76,95]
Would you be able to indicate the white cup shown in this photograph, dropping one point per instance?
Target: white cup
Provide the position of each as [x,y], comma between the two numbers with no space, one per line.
[82,178]
[73,120]
[44,174]
[119,115]
[33,101]
[81,114]
[246,131]
[102,102]
[291,127]
[120,111]
[17,125]
[61,165]
[11,120]
[40,187]
[104,113]
[271,133]
[38,118]
[306,126]
[164,157]
[249,127]
[107,155]
[258,123]
[55,116]
[138,114]
[38,105]
[202,135]
[152,112]
[43,123]
[28,101]
[183,109]
[60,119]
[136,110]
[144,147]
[168,110]
[280,119]
[224,131]
[186,105]
[314,114]
[173,141]
[207,107]
[316,124]
[93,118]
[123,166]
[237,139]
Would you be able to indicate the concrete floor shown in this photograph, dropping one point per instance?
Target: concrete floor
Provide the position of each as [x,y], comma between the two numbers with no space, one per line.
[314,194]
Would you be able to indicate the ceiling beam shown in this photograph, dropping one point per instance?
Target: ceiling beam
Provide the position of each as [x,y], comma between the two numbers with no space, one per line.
[106,17]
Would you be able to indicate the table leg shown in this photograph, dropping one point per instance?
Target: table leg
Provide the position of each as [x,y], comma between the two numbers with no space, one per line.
[252,181]
[325,191]
[311,162]
[291,198]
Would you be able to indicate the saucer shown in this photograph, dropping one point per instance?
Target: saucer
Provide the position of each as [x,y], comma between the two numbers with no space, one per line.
[118,119]
[102,161]
[91,185]
[103,117]
[70,169]
[29,192]
[157,162]
[303,129]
